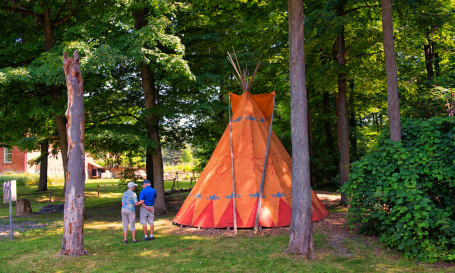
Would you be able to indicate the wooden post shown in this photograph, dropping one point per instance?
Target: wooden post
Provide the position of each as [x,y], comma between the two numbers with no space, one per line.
[178,191]
[73,219]
[50,198]
[256,223]
[232,168]
[10,194]
[98,189]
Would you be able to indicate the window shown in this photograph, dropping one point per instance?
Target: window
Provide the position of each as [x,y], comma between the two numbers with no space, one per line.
[8,155]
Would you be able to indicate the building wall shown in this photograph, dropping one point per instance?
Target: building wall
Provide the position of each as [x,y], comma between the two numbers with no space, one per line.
[19,164]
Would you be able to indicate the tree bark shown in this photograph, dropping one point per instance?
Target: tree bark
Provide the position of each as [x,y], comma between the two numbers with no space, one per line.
[55,92]
[352,121]
[337,109]
[149,90]
[149,165]
[327,123]
[301,239]
[437,69]
[429,60]
[160,205]
[344,130]
[42,184]
[60,120]
[73,220]
[48,29]
[391,71]
[310,135]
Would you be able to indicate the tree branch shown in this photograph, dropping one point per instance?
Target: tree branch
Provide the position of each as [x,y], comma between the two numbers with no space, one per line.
[21,63]
[116,116]
[61,10]
[357,8]
[366,54]
[69,16]
[22,10]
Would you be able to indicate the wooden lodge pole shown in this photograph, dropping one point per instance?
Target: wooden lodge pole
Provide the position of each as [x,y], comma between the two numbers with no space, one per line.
[232,167]
[73,217]
[256,223]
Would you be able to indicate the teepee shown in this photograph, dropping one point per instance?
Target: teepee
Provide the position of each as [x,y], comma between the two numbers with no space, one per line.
[210,204]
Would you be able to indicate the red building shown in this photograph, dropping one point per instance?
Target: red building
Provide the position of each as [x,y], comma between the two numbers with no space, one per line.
[15,161]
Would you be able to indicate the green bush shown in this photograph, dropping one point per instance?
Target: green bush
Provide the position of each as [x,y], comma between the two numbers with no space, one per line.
[404,192]
[22,179]
[181,167]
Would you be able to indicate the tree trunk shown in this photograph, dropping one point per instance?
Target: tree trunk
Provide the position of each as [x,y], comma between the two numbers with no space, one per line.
[60,120]
[301,239]
[42,184]
[148,89]
[327,123]
[310,134]
[352,121]
[55,92]
[337,109]
[437,69]
[73,220]
[160,205]
[344,130]
[429,60]
[149,164]
[48,29]
[391,71]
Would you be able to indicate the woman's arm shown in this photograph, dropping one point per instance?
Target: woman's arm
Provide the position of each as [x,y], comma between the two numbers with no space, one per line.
[139,203]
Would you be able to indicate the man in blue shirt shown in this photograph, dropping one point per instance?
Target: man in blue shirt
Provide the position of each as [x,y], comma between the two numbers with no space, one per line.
[148,194]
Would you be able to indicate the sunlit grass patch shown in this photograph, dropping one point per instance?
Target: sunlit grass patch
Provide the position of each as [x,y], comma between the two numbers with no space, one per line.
[182,250]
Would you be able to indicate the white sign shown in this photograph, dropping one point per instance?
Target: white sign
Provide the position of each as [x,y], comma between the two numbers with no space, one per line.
[6,191]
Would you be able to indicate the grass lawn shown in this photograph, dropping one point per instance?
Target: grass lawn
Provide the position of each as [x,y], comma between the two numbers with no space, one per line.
[175,249]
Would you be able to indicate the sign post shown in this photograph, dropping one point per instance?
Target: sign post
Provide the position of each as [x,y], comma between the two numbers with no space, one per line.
[9,193]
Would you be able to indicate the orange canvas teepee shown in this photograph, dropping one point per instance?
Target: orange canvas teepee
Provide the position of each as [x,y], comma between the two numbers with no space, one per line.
[210,203]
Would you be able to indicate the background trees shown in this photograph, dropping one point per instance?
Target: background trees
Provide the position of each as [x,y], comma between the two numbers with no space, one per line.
[156,74]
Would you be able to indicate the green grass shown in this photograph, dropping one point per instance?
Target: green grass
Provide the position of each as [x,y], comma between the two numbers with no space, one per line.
[175,250]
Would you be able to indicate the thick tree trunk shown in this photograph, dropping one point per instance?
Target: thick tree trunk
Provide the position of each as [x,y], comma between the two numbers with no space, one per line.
[352,121]
[301,239]
[337,109]
[344,130]
[48,29]
[55,92]
[391,71]
[42,184]
[160,205]
[73,220]
[60,120]
[437,69]
[149,164]
[148,87]
[327,123]
[429,60]
[149,90]
[310,134]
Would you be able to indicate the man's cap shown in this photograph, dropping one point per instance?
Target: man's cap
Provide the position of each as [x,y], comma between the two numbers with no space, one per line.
[131,184]
[146,181]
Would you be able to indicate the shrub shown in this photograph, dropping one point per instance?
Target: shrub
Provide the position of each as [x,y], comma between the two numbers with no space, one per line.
[22,179]
[404,192]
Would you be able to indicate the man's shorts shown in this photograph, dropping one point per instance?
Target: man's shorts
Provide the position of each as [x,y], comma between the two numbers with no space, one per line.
[147,216]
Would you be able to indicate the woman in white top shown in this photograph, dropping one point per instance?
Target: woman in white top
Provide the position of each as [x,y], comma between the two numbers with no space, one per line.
[129,200]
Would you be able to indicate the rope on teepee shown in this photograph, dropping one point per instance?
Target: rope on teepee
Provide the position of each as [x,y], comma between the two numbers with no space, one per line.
[233,172]
[256,223]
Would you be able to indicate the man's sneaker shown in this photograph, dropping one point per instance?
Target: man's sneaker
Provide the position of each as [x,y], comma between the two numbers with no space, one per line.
[145,239]
[152,238]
